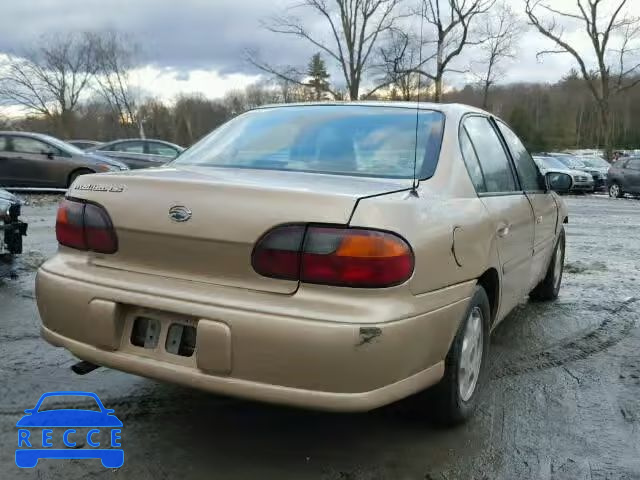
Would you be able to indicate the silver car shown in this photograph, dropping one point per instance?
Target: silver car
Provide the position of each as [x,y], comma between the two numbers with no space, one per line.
[35,160]
[582,181]
[139,152]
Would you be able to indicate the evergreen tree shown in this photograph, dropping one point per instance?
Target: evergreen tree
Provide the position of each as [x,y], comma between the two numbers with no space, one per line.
[319,78]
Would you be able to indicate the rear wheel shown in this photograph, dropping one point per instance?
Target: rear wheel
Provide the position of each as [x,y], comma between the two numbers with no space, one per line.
[549,287]
[455,398]
[75,174]
[615,191]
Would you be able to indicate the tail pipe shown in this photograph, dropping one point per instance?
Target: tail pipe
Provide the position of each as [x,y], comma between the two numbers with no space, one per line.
[84,367]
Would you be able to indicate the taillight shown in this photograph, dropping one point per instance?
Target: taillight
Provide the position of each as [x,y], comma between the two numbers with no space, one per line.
[85,226]
[352,257]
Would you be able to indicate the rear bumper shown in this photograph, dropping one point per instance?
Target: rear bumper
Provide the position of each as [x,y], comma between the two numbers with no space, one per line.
[328,365]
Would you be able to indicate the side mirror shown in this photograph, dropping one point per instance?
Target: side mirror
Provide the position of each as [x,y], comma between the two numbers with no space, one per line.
[48,154]
[559,182]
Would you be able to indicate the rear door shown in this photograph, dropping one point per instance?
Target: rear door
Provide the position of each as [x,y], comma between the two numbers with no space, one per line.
[131,152]
[158,153]
[507,204]
[545,208]
[632,175]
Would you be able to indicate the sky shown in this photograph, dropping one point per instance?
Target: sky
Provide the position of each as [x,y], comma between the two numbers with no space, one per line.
[189,46]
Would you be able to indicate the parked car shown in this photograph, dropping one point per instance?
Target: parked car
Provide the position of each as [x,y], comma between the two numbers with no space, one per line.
[35,160]
[84,144]
[140,153]
[582,181]
[312,255]
[581,163]
[11,227]
[624,177]
[598,167]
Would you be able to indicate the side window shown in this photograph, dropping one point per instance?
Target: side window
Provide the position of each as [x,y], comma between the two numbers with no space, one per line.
[471,161]
[129,147]
[633,164]
[528,172]
[156,148]
[4,144]
[494,162]
[31,145]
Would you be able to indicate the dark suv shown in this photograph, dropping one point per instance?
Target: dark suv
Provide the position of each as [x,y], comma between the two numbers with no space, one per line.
[624,177]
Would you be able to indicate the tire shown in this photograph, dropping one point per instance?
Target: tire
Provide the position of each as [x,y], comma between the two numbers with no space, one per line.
[549,287]
[455,398]
[76,173]
[615,191]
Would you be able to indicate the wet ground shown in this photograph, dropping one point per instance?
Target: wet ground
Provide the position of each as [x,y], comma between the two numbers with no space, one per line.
[563,401]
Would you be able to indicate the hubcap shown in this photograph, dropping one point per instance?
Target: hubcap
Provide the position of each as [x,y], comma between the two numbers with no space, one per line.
[614,190]
[557,268]
[471,355]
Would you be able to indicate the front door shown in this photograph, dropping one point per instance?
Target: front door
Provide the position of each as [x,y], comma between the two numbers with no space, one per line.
[632,175]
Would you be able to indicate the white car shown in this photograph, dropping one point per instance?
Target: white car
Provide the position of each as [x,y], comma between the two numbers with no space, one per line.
[582,181]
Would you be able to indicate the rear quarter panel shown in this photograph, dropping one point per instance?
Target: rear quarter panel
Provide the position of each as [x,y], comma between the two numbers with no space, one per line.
[445,203]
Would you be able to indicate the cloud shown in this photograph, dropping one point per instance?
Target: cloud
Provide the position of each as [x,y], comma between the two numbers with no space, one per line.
[180,34]
[200,44]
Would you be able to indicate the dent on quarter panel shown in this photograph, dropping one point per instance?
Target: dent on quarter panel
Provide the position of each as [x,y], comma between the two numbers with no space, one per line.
[427,222]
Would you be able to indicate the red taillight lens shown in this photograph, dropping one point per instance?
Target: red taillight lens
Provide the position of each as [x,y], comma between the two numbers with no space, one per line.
[355,258]
[277,254]
[85,226]
[337,256]
[70,224]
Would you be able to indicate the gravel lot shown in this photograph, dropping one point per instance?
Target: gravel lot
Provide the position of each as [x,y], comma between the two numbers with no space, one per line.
[563,401]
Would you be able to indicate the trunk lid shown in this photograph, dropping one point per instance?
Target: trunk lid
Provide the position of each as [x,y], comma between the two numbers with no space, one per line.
[228,210]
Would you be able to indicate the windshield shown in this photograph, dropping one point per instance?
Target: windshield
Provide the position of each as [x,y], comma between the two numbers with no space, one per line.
[67,147]
[550,162]
[572,162]
[335,139]
[595,162]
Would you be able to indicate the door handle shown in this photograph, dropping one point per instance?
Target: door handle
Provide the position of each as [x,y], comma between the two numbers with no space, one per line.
[504,230]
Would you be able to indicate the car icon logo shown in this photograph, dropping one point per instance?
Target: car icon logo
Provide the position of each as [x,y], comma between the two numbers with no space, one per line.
[61,432]
[179,213]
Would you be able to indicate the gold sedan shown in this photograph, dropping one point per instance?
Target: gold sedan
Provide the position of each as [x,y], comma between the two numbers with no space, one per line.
[332,256]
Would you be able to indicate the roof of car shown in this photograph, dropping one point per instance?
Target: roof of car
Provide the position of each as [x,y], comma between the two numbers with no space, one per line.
[446,108]
[24,134]
[141,140]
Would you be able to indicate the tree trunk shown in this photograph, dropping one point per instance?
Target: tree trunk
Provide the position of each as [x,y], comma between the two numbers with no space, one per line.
[485,95]
[354,90]
[605,119]
[437,98]
[66,124]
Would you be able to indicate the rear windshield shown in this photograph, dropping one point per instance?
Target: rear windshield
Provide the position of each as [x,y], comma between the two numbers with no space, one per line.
[335,139]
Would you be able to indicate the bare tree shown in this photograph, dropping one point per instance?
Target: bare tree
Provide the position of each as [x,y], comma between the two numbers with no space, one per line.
[51,79]
[355,27]
[614,36]
[116,57]
[399,55]
[501,31]
[451,23]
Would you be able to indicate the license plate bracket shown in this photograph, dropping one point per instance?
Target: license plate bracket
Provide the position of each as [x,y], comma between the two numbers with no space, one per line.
[181,340]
